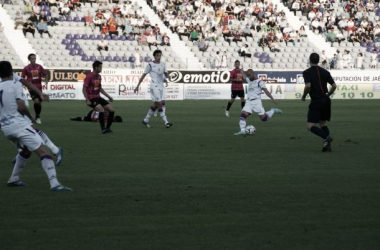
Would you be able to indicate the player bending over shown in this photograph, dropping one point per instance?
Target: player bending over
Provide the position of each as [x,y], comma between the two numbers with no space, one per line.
[15,121]
[158,74]
[93,116]
[253,103]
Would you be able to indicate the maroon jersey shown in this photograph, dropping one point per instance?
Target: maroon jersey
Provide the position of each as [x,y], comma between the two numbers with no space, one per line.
[237,74]
[93,83]
[34,74]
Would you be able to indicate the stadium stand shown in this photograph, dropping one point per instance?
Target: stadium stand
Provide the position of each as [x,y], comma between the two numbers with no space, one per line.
[352,28]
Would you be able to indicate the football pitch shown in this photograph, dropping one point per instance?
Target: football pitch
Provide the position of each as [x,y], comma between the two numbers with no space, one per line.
[196,185]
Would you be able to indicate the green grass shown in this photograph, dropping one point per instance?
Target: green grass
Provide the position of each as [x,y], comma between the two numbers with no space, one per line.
[195,185]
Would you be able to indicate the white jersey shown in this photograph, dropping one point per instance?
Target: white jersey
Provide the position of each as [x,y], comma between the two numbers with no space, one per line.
[18,78]
[11,120]
[255,89]
[157,74]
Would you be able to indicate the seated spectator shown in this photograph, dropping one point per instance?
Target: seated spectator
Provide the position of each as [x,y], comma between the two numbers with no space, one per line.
[113,29]
[247,31]
[334,62]
[316,25]
[42,17]
[243,51]
[296,6]
[142,40]
[165,40]
[138,59]
[28,27]
[43,28]
[88,20]
[27,9]
[104,29]
[193,35]
[202,45]
[151,40]
[339,37]
[263,42]
[302,32]
[98,22]
[226,31]
[54,15]
[102,45]
[324,64]
[36,9]
[287,39]
[294,37]
[331,36]
[373,59]
[19,20]
[351,25]
[273,47]
[182,31]
[52,3]
[237,36]
[34,19]
[353,37]
[65,11]
[128,28]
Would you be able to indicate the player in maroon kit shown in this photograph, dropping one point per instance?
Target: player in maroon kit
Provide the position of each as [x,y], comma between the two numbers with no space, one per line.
[237,88]
[34,73]
[92,87]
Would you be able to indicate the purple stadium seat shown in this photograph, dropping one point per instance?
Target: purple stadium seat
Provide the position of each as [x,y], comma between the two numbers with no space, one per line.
[65,41]
[132,59]
[76,46]
[84,37]
[80,52]
[69,36]
[76,36]
[107,37]
[92,58]
[99,37]
[108,59]
[130,38]
[76,19]
[69,19]
[116,59]
[92,37]
[114,37]
[269,60]
[84,58]
[147,59]
[262,60]
[363,44]
[125,59]
[122,38]
[43,7]
[69,46]
[100,58]
[257,54]
[61,18]
[370,44]
[73,52]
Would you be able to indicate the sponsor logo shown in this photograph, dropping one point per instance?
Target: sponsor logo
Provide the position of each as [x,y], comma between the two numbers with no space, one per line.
[200,77]
[376,87]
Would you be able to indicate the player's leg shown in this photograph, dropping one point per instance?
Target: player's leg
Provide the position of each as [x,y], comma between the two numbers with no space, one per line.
[37,106]
[242,99]
[230,102]
[57,152]
[96,103]
[243,120]
[111,114]
[161,110]
[325,116]
[313,120]
[154,95]
[21,160]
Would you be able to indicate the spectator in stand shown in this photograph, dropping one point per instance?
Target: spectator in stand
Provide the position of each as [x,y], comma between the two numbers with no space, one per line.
[244,51]
[19,20]
[237,36]
[36,9]
[294,37]
[247,31]
[316,25]
[353,37]
[128,29]
[165,40]
[138,59]
[43,28]
[302,32]
[373,59]
[142,40]
[193,35]
[104,30]
[113,28]
[42,17]
[351,25]
[359,61]
[287,29]
[28,27]
[27,9]
[273,47]
[65,11]
[34,19]
[218,60]
[182,31]
[339,37]
[287,39]
[88,20]
[224,60]
[331,36]
[151,40]
[202,45]
[54,15]
[296,6]
[52,3]
[102,45]
[263,42]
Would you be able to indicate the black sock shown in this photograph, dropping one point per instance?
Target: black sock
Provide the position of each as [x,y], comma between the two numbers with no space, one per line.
[110,119]
[37,109]
[76,119]
[326,130]
[317,131]
[242,104]
[228,106]
[101,120]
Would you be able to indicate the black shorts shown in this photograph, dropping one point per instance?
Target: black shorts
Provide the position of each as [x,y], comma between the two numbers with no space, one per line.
[34,95]
[96,101]
[239,93]
[319,110]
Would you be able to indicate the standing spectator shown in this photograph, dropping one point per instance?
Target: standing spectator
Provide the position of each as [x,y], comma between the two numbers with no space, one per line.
[218,60]
[19,20]
[43,28]
[102,45]
[359,61]
[28,27]
[373,59]
[224,60]
[138,59]
[34,73]
[334,62]
[92,87]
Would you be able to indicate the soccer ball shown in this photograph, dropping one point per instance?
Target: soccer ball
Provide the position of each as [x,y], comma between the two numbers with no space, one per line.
[250,130]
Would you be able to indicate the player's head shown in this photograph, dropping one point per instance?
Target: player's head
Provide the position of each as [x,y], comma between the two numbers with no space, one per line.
[237,64]
[314,58]
[251,74]
[157,55]
[5,69]
[97,66]
[32,58]
[118,119]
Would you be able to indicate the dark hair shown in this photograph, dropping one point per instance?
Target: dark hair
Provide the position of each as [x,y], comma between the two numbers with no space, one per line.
[314,58]
[5,69]
[30,55]
[237,61]
[157,51]
[118,119]
[96,64]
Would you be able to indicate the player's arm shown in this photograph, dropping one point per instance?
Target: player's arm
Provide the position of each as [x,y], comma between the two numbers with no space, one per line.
[33,88]
[140,81]
[44,73]
[84,91]
[106,94]
[333,85]
[269,95]
[306,90]
[23,109]
[167,78]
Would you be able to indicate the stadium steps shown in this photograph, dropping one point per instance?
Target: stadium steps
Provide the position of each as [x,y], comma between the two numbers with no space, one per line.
[317,40]
[179,47]
[21,44]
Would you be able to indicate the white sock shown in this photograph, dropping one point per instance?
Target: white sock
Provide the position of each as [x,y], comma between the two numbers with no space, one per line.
[150,113]
[269,113]
[21,160]
[48,165]
[243,124]
[53,148]
[163,116]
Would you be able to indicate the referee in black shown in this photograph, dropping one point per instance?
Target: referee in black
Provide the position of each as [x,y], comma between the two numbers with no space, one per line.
[316,79]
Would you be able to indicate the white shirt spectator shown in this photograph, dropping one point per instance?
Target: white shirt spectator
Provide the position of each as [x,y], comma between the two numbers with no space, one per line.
[311,15]
[287,29]
[342,23]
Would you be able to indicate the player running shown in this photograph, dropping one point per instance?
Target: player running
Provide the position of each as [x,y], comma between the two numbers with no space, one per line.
[254,103]
[237,88]
[158,74]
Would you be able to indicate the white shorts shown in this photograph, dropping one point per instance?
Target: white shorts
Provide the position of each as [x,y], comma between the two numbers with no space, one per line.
[28,138]
[157,95]
[254,106]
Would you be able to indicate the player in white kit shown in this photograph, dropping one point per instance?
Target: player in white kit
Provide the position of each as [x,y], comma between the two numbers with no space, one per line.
[253,102]
[57,152]
[16,124]
[158,74]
